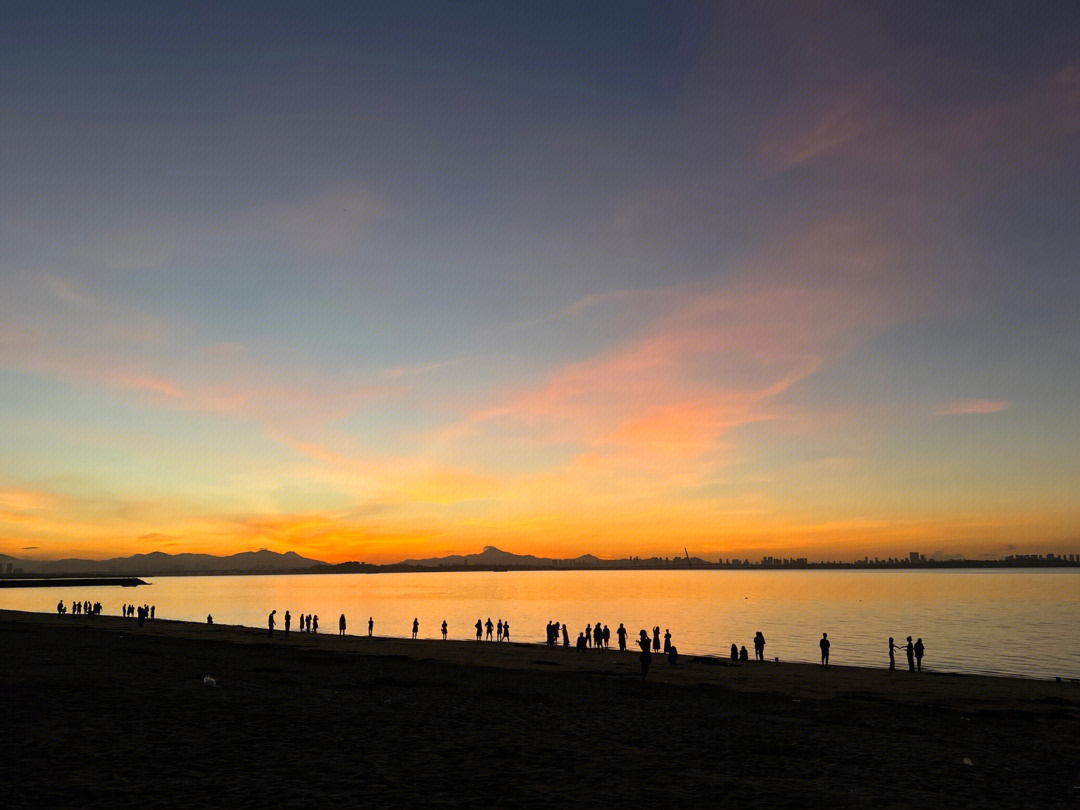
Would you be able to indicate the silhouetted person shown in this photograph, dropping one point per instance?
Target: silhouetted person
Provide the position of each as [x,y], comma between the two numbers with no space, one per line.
[316,620]
[555,639]
[759,646]
[909,648]
[370,626]
[490,627]
[479,630]
[565,637]
[667,641]
[581,642]
[673,655]
[444,629]
[142,616]
[415,627]
[341,625]
[824,644]
[269,622]
[60,607]
[498,631]
[892,654]
[734,652]
[621,633]
[209,619]
[919,651]
[607,637]
[506,631]
[744,656]
[656,638]
[288,621]
[588,635]
[646,657]
[598,636]
[550,634]
[152,609]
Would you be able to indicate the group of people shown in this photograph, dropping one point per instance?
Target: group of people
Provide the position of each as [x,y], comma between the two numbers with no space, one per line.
[147,611]
[915,651]
[502,630]
[307,624]
[80,608]
[596,636]
[740,653]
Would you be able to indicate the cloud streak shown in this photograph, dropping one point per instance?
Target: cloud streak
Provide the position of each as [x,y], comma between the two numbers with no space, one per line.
[973,406]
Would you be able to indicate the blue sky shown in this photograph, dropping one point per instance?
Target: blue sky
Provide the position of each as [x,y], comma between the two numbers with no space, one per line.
[370,282]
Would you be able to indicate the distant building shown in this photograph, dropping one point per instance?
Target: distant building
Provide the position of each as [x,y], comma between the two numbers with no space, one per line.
[913,556]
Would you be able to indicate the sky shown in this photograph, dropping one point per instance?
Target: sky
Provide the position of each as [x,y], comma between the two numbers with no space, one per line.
[378,281]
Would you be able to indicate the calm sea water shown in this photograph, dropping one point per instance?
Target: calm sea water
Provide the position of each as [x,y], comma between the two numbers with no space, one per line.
[1009,622]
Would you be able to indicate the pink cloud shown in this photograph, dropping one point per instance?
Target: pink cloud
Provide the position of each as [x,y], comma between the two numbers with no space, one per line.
[712,357]
[868,123]
[969,406]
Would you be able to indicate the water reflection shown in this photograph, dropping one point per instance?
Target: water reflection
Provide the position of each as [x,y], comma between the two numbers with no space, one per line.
[1013,622]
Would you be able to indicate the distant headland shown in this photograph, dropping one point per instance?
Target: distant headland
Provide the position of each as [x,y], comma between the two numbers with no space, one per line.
[264,562]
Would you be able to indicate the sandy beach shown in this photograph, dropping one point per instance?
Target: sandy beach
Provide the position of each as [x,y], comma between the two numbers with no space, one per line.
[101,713]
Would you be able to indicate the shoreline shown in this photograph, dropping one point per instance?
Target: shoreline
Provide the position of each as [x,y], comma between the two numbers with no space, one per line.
[98,708]
[793,678]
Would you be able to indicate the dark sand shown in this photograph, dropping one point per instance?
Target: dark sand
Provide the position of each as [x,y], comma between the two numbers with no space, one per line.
[99,713]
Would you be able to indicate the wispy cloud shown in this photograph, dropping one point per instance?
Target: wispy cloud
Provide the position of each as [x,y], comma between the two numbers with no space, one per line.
[326,224]
[973,406]
[868,123]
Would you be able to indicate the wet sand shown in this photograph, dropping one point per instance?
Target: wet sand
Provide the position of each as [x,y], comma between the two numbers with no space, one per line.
[101,713]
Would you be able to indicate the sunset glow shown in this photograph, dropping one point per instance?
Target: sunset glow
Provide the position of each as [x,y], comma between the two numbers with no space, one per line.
[372,286]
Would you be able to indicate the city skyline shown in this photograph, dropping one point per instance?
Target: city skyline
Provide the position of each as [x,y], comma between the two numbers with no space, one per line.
[372,284]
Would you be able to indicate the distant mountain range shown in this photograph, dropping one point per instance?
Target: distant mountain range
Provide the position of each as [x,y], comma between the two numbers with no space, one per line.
[158,562]
[492,557]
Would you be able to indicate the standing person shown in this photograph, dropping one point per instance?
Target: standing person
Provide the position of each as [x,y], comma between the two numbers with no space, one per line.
[824,644]
[588,635]
[555,635]
[209,618]
[506,631]
[269,622]
[667,641]
[316,617]
[607,637]
[444,629]
[759,646]
[909,648]
[479,630]
[565,636]
[919,650]
[621,633]
[734,652]
[153,608]
[598,636]
[892,654]
[498,628]
[370,625]
[656,638]
[341,625]
[550,633]
[646,657]
[288,621]
[490,627]
[415,627]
